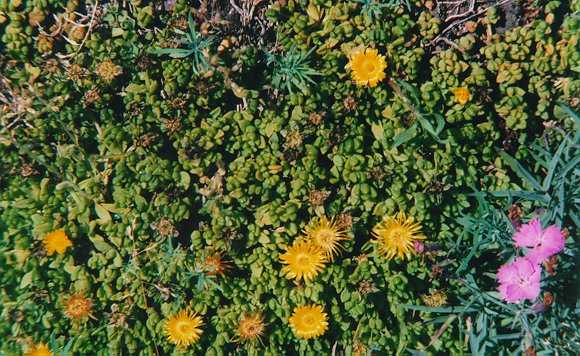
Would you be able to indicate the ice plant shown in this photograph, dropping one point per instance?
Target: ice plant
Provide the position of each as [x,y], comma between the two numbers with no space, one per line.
[367,66]
[396,236]
[309,321]
[77,307]
[541,243]
[40,349]
[303,260]
[519,280]
[56,241]
[251,327]
[462,95]
[183,328]
[326,234]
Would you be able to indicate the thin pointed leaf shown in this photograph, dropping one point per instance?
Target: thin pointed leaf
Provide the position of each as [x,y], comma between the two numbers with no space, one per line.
[522,194]
[521,171]
[572,114]
[191,25]
[572,164]
[438,309]
[553,164]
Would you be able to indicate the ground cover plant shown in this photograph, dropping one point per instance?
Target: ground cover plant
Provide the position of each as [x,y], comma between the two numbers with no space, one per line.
[289,177]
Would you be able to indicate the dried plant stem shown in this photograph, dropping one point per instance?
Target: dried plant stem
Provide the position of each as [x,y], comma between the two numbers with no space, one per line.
[460,21]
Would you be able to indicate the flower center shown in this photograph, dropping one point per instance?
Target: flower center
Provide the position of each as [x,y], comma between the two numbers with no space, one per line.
[370,66]
[325,235]
[397,234]
[308,319]
[303,259]
[184,328]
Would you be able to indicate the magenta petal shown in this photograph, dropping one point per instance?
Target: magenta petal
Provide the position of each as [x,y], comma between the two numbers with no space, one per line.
[507,273]
[524,267]
[553,242]
[531,291]
[519,280]
[529,235]
[553,239]
[514,294]
[539,254]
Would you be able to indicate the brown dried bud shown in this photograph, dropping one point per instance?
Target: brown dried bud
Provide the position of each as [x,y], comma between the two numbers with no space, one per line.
[315,118]
[515,213]
[204,28]
[349,103]
[92,96]
[45,44]
[108,70]
[470,26]
[344,221]
[551,264]
[173,125]
[548,299]
[28,170]
[35,17]
[317,197]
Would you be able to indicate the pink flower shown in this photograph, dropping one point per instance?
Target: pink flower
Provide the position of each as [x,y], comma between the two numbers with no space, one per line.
[419,246]
[541,243]
[519,280]
[551,243]
[529,235]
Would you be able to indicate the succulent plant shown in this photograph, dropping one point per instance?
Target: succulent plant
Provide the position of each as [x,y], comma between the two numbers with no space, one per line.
[180,156]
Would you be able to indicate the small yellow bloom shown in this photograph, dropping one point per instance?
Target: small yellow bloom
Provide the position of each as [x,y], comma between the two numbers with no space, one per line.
[77,306]
[40,349]
[462,95]
[309,321]
[56,241]
[395,236]
[303,260]
[251,327]
[183,328]
[326,234]
[368,66]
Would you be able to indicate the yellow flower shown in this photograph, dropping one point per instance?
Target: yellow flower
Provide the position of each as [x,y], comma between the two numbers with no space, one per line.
[56,241]
[40,349]
[462,95]
[368,66]
[303,260]
[309,321]
[327,235]
[77,306]
[183,328]
[395,236]
[251,327]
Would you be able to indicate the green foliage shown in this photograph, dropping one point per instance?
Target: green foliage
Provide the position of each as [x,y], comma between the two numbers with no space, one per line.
[196,46]
[558,191]
[291,70]
[189,153]
[374,8]
[486,321]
